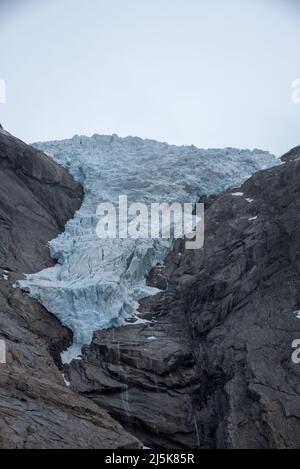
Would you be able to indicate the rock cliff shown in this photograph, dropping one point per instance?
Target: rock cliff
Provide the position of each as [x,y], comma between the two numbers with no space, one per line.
[37,410]
[213,367]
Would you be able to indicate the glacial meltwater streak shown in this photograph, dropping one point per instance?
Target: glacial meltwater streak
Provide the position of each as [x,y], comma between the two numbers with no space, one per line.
[97,282]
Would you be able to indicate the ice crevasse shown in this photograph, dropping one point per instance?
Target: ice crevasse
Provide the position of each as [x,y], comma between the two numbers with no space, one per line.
[97,283]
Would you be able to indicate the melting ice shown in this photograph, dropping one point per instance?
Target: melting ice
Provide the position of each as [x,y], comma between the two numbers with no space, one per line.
[97,282]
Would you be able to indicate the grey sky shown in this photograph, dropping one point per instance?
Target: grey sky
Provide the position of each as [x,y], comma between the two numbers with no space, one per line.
[212,73]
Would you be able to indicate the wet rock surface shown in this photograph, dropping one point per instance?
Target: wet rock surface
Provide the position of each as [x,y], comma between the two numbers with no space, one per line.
[213,366]
[37,410]
[143,375]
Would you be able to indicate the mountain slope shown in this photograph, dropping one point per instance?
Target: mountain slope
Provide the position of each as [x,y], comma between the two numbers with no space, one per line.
[233,305]
[37,410]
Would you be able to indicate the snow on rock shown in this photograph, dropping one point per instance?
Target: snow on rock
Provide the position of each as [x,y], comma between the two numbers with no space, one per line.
[67,383]
[297,313]
[97,282]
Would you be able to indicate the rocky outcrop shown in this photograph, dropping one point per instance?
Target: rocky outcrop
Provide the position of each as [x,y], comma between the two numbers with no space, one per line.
[144,376]
[292,155]
[37,410]
[213,366]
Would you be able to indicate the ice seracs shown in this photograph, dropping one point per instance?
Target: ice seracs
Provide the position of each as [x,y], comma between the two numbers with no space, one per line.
[98,282]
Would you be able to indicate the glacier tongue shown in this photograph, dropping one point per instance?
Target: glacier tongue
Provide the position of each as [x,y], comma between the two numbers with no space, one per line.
[97,282]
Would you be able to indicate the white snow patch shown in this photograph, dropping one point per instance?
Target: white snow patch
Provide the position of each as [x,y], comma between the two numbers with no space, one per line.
[297,313]
[152,338]
[253,218]
[250,201]
[138,320]
[238,194]
[67,383]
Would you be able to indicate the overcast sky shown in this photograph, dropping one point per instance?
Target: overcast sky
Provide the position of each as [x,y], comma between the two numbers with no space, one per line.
[212,73]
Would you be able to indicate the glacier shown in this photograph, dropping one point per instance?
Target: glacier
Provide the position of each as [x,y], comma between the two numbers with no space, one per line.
[97,283]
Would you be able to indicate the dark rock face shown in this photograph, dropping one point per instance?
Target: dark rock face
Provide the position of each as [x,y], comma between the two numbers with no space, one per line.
[37,410]
[292,155]
[220,373]
[143,375]
[37,199]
